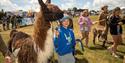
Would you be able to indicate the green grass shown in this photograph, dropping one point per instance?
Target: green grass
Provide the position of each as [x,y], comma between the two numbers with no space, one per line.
[93,54]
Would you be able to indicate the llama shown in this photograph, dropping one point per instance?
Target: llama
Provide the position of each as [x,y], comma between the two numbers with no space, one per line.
[39,48]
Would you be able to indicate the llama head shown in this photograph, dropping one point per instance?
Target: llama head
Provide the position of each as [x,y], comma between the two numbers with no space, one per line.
[51,12]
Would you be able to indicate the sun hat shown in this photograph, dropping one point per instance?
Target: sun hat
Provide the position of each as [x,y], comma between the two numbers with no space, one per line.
[64,18]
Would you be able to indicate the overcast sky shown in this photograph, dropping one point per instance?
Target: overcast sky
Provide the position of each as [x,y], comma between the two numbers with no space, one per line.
[12,5]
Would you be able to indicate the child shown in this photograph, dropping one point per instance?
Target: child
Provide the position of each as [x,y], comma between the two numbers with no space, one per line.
[115,30]
[85,26]
[64,41]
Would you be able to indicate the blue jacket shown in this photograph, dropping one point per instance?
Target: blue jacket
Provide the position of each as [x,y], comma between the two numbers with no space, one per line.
[62,44]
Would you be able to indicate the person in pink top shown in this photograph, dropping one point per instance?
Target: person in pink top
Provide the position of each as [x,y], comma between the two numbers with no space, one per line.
[85,24]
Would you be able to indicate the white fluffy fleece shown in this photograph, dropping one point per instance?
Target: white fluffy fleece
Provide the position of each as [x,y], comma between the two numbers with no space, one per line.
[48,51]
[15,53]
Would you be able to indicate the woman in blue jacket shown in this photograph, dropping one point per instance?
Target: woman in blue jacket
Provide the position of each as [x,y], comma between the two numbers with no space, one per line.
[64,41]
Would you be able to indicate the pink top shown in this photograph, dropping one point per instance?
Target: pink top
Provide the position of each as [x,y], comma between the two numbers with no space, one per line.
[88,23]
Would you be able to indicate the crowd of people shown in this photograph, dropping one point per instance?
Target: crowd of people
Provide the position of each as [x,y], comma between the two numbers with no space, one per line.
[13,21]
[64,39]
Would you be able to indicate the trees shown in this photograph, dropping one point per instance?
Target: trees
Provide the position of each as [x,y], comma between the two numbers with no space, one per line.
[74,9]
[1,13]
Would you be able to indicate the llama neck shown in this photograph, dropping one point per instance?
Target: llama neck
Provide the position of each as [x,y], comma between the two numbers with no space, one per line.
[40,30]
[48,51]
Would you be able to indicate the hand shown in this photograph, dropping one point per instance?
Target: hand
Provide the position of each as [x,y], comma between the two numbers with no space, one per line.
[120,23]
[80,34]
[104,19]
[95,22]
[8,59]
[56,33]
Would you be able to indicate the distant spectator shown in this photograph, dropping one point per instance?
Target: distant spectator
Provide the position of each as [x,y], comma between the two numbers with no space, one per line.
[4,22]
[8,22]
[13,20]
[19,21]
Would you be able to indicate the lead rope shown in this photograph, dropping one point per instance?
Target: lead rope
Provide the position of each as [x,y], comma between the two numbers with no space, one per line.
[53,29]
[52,59]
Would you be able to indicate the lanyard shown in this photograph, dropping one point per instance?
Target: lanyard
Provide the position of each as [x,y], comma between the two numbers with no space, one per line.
[68,38]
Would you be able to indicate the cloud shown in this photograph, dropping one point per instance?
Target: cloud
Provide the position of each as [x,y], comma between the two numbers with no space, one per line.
[35,5]
[111,3]
[11,5]
[8,5]
[68,4]
[87,6]
[36,1]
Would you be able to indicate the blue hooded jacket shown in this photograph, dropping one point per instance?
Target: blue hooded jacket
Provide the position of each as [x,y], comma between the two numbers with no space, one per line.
[62,45]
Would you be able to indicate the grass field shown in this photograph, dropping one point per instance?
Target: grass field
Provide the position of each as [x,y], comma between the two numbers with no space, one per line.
[93,54]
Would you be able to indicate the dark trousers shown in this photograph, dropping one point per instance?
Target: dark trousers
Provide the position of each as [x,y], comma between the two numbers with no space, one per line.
[4,26]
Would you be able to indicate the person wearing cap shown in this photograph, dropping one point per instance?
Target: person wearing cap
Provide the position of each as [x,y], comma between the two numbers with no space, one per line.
[103,23]
[103,15]
[85,24]
[64,41]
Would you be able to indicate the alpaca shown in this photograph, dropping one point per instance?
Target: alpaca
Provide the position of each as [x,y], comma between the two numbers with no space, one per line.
[39,48]
[3,47]
[101,33]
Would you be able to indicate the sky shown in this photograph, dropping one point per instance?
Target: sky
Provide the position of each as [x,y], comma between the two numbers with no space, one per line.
[12,5]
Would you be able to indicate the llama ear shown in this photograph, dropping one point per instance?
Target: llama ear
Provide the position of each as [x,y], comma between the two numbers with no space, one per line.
[41,2]
[13,32]
[48,1]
